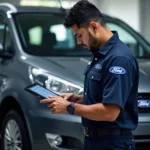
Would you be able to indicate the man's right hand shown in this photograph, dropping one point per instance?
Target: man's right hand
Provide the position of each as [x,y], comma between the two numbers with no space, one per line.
[71,97]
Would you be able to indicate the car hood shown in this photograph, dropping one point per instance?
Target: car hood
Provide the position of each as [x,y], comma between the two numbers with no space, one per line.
[72,69]
[144,78]
[78,65]
[68,68]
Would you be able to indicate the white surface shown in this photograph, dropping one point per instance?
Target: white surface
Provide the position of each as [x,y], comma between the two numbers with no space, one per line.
[126,10]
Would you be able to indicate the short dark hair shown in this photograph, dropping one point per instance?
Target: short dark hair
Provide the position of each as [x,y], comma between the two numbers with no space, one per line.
[82,13]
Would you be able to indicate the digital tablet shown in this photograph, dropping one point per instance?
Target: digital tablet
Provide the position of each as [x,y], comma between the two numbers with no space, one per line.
[40,91]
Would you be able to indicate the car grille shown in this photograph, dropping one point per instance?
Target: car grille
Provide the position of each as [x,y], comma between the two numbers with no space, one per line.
[144,143]
[143,146]
[145,97]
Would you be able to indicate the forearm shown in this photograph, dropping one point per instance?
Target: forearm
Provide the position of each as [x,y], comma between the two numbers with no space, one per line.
[97,112]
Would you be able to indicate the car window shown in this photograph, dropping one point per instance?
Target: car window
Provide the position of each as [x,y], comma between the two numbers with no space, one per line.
[35,35]
[128,39]
[5,39]
[2,26]
[64,38]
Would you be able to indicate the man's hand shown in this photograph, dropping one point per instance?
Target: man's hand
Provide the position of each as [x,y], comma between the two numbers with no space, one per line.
[72,97]
[57,104]
[69,97]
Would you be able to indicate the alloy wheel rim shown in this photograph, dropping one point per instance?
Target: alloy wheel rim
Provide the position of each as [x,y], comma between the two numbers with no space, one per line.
[12,136]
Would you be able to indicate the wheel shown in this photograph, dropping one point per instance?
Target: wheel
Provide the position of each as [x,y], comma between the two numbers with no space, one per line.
[14,133]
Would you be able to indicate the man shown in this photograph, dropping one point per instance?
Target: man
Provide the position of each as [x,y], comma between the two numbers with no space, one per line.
[109,105]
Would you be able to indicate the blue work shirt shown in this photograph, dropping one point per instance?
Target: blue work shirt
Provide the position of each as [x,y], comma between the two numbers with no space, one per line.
[111,77]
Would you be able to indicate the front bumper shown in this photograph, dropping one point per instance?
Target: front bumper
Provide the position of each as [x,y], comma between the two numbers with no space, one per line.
[142,132]
[68,126]
[42,122]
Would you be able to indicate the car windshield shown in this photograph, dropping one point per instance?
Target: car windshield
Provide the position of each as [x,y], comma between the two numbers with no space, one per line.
[43,34]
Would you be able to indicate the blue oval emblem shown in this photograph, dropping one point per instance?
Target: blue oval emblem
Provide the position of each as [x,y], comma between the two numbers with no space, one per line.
[117,70]
[143,103]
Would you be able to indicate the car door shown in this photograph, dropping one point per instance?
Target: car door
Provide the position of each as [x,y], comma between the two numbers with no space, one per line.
[6,49]
[132,39]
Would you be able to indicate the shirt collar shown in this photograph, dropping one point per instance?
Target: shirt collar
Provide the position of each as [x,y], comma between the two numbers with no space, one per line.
[109,44]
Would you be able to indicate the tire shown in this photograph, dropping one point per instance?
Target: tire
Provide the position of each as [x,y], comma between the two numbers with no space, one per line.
[15,126]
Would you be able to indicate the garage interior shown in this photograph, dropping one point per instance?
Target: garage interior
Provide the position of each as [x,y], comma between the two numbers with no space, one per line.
[134,13]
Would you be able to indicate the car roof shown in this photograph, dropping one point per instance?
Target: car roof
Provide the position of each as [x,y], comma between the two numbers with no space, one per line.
[34,9]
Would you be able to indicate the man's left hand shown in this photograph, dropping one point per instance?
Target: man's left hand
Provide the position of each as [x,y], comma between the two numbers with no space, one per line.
[57,104]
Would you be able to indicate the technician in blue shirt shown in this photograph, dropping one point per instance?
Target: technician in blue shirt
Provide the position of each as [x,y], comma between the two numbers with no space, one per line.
[109,110]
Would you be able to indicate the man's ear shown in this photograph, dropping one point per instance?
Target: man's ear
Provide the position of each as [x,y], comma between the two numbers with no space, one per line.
[93,26]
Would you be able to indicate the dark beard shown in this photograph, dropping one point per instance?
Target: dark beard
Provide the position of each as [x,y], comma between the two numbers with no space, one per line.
[93,43]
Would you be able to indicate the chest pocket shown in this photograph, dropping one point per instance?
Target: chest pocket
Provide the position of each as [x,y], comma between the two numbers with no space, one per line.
[94,81]
[95,85]
[94,75]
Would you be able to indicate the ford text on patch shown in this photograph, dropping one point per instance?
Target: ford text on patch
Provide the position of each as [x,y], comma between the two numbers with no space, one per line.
[117,70]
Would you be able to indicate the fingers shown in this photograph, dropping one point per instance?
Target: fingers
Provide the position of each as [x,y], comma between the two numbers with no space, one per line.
[47,101]
[50,99]
[51,105]
[54,110]
[66,95]
[62,95]
[66,98]
[56,104]
[53,97]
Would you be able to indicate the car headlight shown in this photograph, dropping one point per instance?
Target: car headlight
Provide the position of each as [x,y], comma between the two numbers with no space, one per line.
[52,82]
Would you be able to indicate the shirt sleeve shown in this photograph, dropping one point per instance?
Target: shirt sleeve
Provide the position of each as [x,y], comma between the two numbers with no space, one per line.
[118,81]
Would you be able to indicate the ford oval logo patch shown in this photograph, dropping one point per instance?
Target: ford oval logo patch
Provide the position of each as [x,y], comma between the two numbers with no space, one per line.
[117,70]
[98,67]
[143,103]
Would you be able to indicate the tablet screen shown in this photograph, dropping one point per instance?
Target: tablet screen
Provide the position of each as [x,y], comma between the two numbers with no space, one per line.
[42,91]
